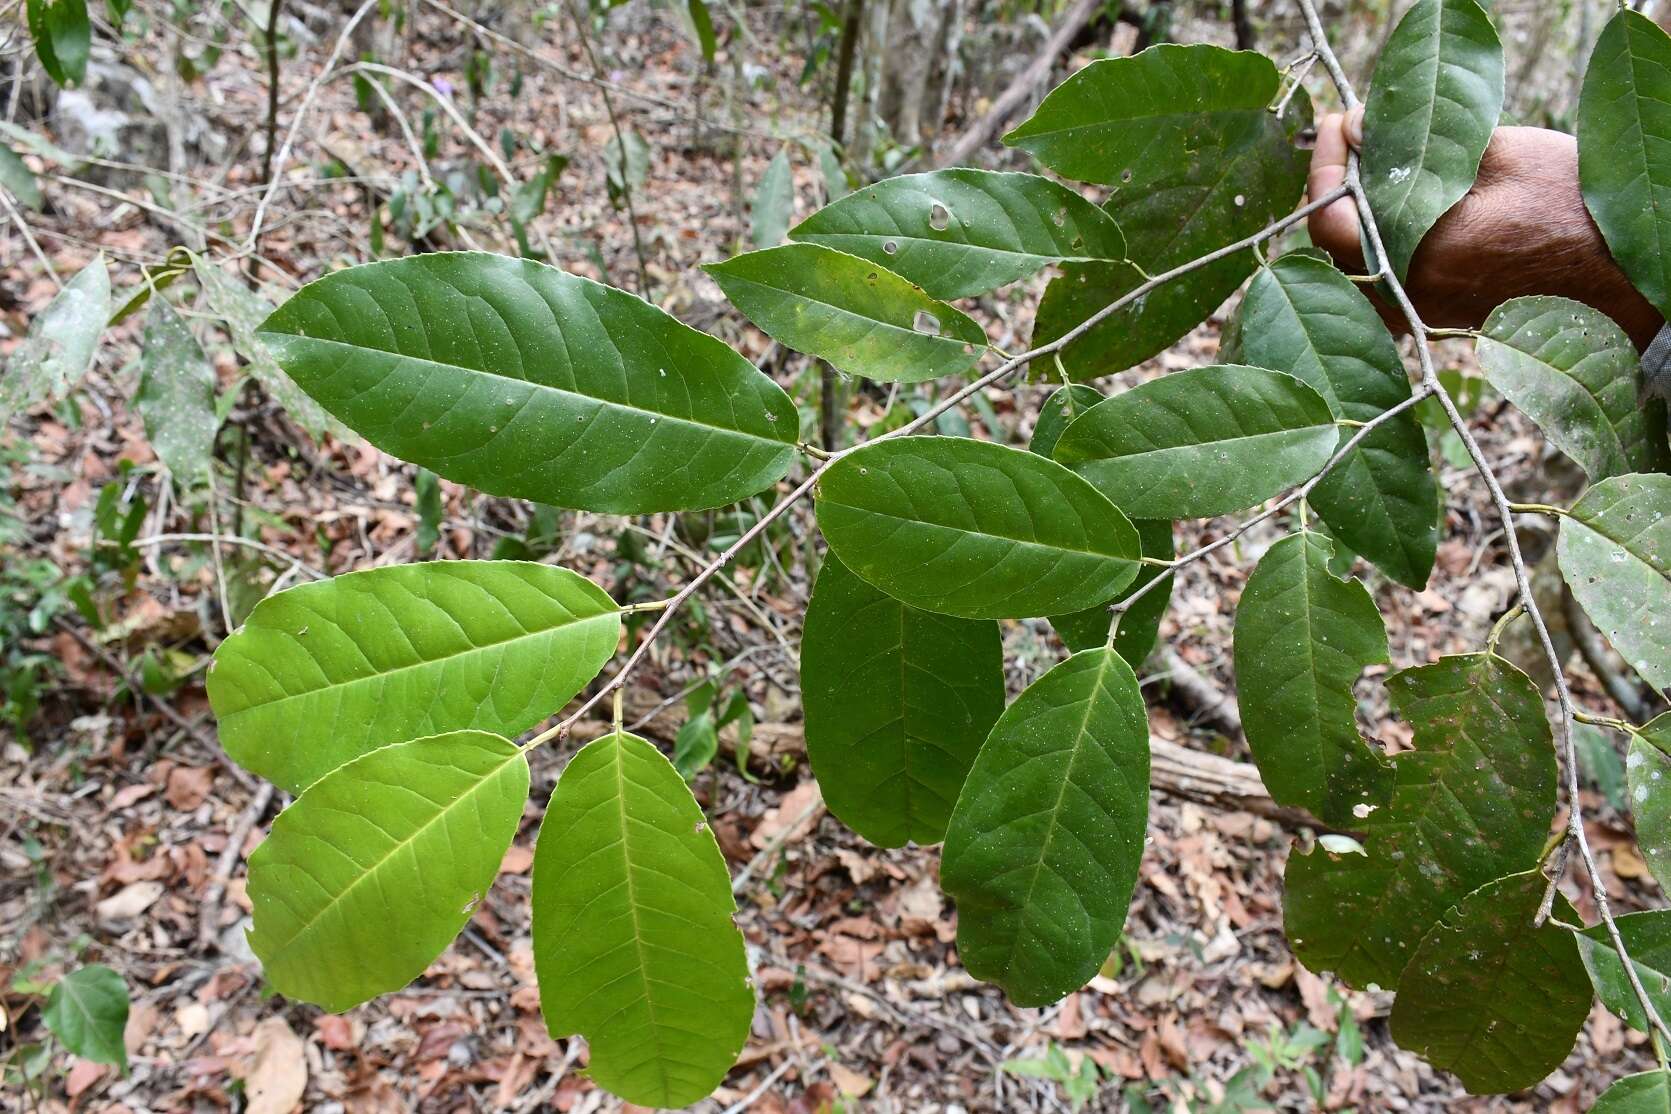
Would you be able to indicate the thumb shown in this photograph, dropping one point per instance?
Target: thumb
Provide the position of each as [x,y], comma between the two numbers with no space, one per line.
[1354,127]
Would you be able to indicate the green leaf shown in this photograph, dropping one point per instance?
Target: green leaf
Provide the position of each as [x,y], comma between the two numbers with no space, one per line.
[1624,149]
[88,1012]
[1211,168]
[176,395]
[1302,640]
[1574,372]
[1489,995]
[974,529]
[959,233]
[1615,553]
[530,197]
[1471,803]
[1431,109]
[1300,315]
[1043,847]
[62,341]
[1199,443]
[773,202]
[243,311]
[1058,412]
[63,38]
[529,382]
[16,176]
[898,701]
[322,673]
[695,745]
[1648,776]
[703,22]
[1140,624]
[862,318]
[1648,1092]
[1647,938]
[634,944]
[373,871]
[1599,762]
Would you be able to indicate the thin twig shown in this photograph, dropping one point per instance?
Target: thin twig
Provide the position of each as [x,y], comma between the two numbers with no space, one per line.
[620,149]
[29,238]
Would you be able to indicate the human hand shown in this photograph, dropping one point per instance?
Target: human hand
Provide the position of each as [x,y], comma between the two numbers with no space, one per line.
[1522,229]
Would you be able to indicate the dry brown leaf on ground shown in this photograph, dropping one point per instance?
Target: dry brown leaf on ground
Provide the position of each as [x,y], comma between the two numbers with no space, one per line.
[277,1073]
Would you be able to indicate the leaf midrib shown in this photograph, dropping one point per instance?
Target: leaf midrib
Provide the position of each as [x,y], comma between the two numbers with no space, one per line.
[932,305]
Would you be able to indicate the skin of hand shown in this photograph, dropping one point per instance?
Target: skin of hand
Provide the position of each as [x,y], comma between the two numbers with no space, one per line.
[1522,229]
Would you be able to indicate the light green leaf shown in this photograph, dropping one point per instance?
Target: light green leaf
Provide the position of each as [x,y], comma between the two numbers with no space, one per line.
[1435,99]
[958,233]
[1647,938]
[1648,777]
[1574,372]
[1300,315]
[16,176]
[1199,443]
[373,871]
[322,673]
[634,944]
[695,745]
[530,197]
[1648,1092]
[1615,553]
[773,202]
[1043,847]
[1210,167]
[62,341]
[1471,803]
[526,381]
[1624,149]
[862,318]
[1302,640]
[88,1012]
[1489,995]
[898,701]
[176,395]
[974,529]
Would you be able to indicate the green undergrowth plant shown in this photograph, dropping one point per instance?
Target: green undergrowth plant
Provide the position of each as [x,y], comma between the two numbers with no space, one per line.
[400,704]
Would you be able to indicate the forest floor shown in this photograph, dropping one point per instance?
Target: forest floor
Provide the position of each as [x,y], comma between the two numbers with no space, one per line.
[123,827]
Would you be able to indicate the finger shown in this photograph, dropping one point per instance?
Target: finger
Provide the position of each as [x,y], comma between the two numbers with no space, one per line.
[1334,228]
[1354,127]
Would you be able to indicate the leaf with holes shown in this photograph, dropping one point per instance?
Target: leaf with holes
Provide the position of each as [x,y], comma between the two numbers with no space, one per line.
[1647,938]
[634,945]
[1492,996]
[1624,149]
[176,395]
[1574,372]
[1471,803]
[322,673]
[1435,99]
[1648,777]
[862,318]
[1615,553]
[1043,847]
[1302,640]
[1302,316]
[88,1012]
[959,233]
[974,529]
[1199,443]
[1196,161]
[890,761]
[1648,1092]
[62,341]
[380,863]
[529,382]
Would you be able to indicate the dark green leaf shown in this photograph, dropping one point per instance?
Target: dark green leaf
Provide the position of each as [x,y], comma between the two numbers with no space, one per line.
[1302,316]
[63,38]
[1199,443]
[526,381]
[1574,372]
[898,702]
[1302,640]
[1648,774]
[374,870]
[863,318]
[88,1012]
[634,944]
[974,529]
[703,22]
[1624,149]
[695,745]
[958,233]
[322,673]
[1139,624]
[1646,1093]
[1489,995]
[1471,803]
[62,341]
[1647,938]
[1615,553]
[1435,99]
[176,395]
[1599,762]
[773,202]
[1058,412]
[1043,847]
